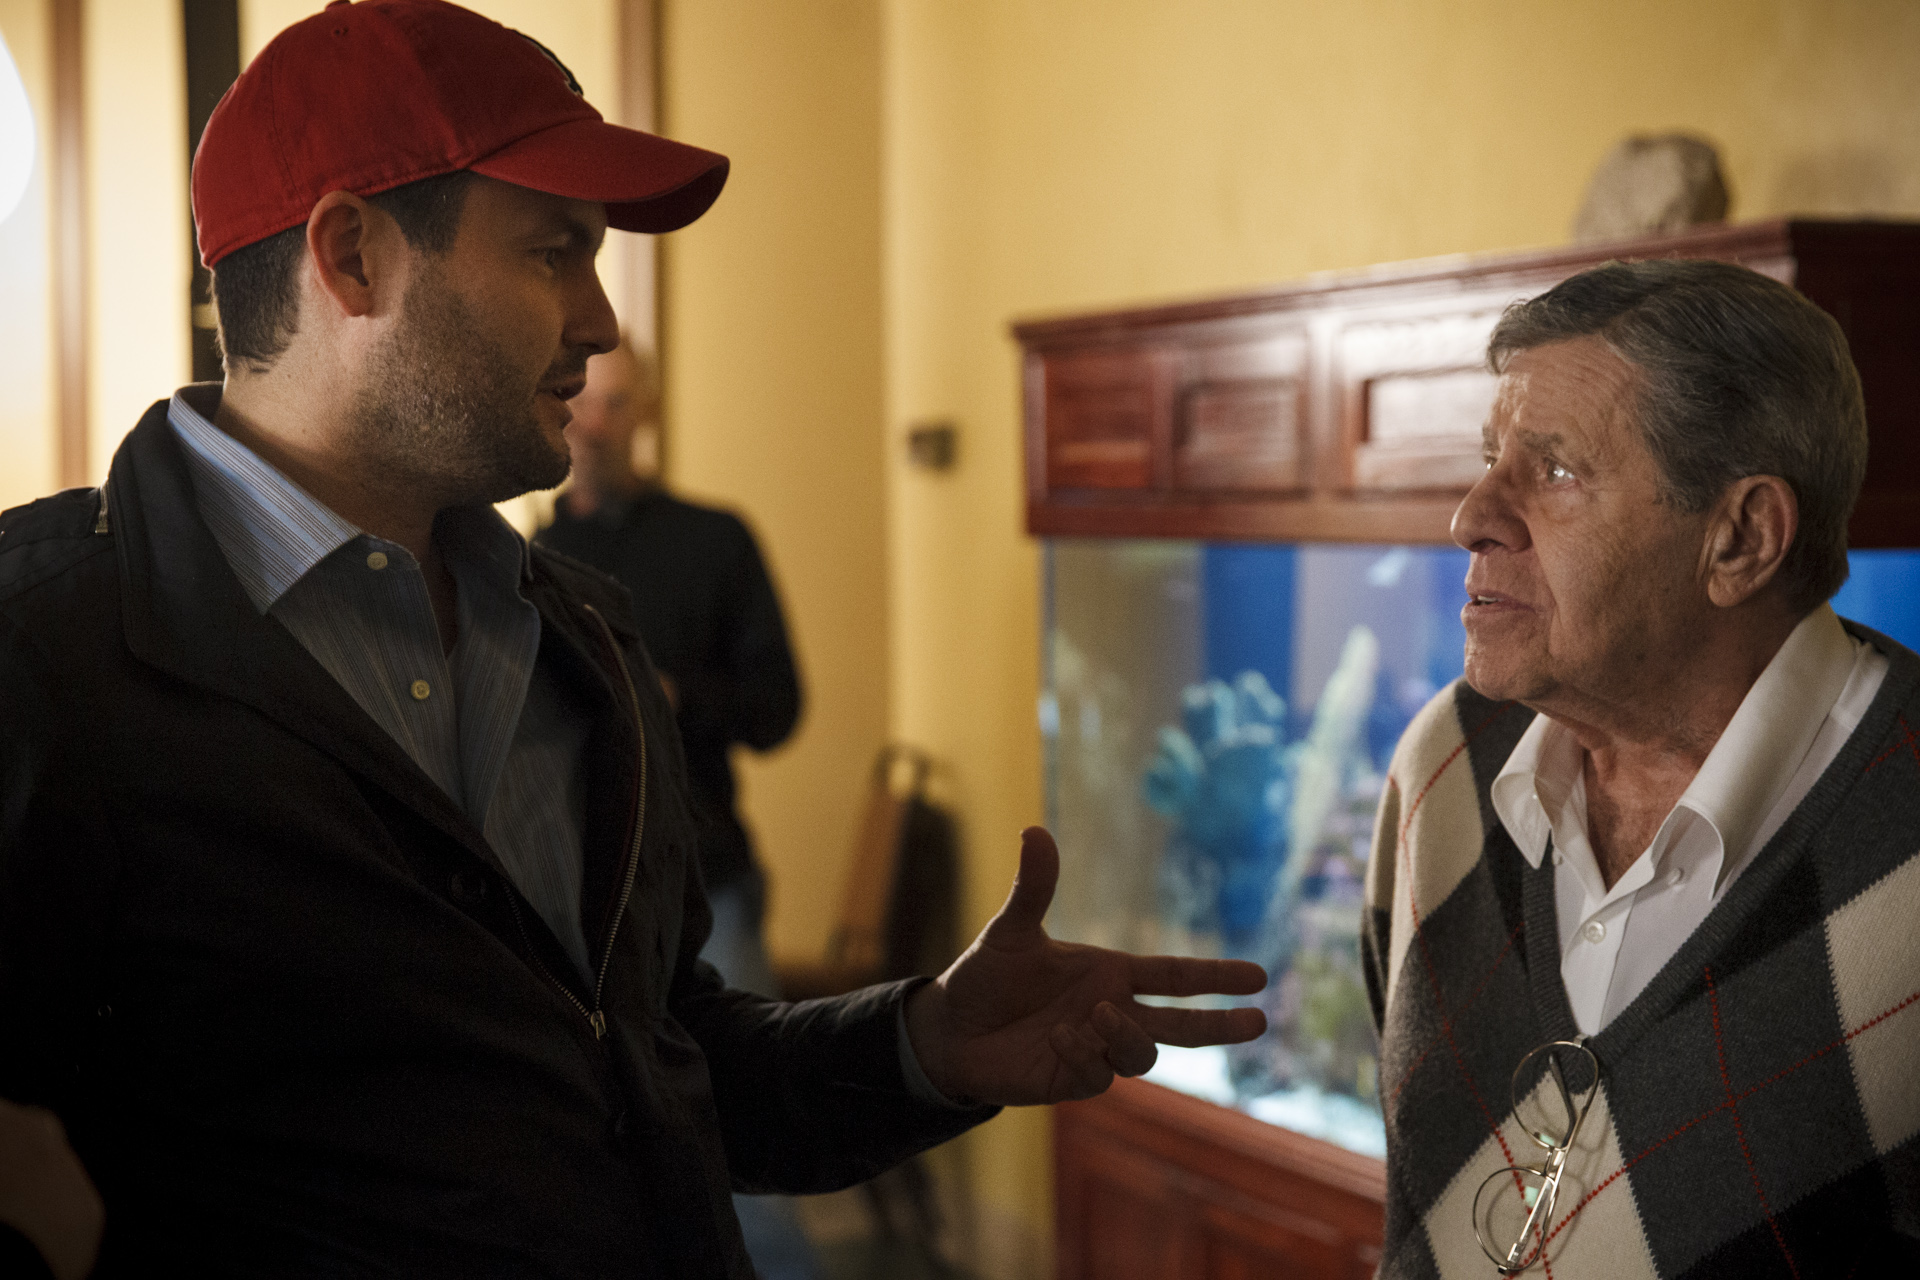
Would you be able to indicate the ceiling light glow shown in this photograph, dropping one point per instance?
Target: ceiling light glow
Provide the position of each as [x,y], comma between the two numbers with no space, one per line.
[16,134]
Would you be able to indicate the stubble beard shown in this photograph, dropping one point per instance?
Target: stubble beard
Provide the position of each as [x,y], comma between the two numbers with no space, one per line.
[447,413]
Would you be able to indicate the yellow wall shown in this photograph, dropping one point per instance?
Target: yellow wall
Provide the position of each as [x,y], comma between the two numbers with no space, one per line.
[137,217]
[772,372]
[1040,157]
[136,232]
[28,460]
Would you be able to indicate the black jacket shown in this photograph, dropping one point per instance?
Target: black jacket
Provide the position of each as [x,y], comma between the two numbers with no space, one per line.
[708,613]
[296,1020]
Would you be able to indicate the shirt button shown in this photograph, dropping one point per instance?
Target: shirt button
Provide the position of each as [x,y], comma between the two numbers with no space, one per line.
[421,690]
[1677,876]
[1594,932]
[377,560]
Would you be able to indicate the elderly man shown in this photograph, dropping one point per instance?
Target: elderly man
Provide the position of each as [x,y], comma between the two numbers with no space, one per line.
[1644,882]
[348,905]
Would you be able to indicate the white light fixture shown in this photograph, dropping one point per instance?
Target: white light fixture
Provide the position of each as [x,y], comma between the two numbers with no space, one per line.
[16,134]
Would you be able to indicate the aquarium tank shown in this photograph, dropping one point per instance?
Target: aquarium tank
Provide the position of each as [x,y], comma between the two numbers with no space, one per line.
[1217,720]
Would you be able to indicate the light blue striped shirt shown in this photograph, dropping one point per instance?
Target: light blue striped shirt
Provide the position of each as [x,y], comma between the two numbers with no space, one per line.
[498,734]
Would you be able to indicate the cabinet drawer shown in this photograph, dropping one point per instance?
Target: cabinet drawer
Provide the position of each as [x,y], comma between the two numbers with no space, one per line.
[1415,394]
[1101,411]
[1240,415]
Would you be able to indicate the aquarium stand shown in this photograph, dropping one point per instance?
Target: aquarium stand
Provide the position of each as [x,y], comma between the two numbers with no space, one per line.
[1155,1185]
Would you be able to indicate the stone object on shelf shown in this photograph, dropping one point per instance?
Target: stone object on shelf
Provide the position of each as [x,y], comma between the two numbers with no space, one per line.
[1649,186]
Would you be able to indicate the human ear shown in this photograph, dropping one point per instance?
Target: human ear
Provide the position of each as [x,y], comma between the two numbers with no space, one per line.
[353,253]
[1752,527]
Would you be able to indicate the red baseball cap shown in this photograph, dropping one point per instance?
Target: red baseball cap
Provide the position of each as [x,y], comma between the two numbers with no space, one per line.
[371,96]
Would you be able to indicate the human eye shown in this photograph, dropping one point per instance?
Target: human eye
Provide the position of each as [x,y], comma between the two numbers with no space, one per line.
[1558,473]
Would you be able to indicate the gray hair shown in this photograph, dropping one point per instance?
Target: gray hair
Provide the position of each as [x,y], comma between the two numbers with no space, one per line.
[1739,375]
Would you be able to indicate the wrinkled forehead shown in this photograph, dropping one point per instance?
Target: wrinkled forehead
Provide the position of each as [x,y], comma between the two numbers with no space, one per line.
[1579,389]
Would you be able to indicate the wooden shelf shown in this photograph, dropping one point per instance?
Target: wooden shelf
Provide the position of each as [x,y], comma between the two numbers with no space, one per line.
[1348,408]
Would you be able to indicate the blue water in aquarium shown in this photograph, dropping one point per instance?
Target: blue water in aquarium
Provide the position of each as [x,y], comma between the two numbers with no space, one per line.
[1883,592]
[1263,606]
[1247,620]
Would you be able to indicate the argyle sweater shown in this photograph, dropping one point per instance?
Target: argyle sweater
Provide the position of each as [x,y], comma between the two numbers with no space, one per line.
[1759,1109]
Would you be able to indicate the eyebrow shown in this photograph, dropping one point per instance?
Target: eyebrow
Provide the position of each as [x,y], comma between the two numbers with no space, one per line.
[1552,443]
[580,235]
[1542,441]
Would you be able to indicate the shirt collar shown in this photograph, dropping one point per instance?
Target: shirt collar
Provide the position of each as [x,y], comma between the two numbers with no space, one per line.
[270,529]
[1534,783]
[273,532]
[1749,767]
[1763,745]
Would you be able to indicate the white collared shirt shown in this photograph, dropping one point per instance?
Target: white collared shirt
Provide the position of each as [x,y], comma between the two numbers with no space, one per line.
[1786,732]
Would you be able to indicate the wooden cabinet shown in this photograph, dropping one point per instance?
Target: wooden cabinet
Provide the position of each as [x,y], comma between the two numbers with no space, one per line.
[1349,408]
[1154,1185]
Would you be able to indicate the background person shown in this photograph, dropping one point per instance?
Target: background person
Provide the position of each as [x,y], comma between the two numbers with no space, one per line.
[711,621]
[710,618]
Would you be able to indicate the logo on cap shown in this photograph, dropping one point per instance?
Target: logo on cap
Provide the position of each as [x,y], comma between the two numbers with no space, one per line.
[572,84]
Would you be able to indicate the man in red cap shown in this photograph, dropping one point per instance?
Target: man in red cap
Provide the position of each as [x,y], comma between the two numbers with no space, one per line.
[348,911]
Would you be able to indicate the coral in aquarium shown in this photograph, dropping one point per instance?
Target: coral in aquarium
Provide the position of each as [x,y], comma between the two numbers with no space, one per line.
[1223,779]
[1243,800]
[1266,852]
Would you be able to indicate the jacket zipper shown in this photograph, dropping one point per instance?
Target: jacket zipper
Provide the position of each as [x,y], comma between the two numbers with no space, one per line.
[596,1016]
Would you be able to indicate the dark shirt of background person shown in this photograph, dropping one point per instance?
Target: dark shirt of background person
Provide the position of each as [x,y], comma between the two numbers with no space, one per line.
[711,622]
[705,603]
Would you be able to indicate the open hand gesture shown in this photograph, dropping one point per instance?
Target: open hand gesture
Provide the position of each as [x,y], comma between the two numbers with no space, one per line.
[1022,1019]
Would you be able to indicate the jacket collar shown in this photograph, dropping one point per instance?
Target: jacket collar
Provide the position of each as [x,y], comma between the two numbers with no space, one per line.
[185,613]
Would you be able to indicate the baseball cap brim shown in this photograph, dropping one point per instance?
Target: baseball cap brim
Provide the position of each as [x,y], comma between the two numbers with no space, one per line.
[648,183]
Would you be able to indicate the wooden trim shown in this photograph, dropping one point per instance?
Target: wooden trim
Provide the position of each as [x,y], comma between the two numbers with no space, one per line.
[1155,1185]
[70,258]
[1222,1129]
[1399,281]
[1408,518]
[639,36]
[210,41]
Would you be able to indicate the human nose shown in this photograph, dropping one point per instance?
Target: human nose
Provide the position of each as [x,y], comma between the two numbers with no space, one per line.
[591,322]
[1488,516]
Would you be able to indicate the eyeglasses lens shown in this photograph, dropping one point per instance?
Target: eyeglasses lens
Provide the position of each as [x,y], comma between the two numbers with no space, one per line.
[1552,1090]
[1503,1209]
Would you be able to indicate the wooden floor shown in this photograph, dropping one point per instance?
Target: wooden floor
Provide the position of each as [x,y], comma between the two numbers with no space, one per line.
[883,1260]
[851,1244]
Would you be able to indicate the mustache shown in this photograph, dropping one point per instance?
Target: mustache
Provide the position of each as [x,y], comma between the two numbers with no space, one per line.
[571,367]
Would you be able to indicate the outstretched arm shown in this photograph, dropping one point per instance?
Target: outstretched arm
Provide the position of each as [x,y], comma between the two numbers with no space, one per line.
[1022,1019]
